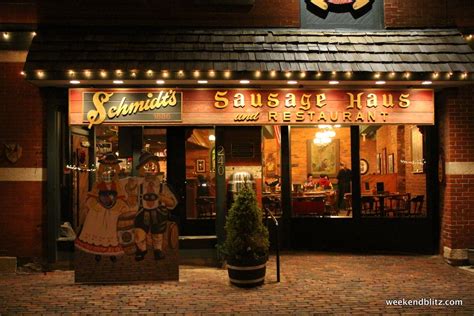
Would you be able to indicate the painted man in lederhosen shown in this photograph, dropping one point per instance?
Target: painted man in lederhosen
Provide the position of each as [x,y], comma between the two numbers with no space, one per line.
[155,202]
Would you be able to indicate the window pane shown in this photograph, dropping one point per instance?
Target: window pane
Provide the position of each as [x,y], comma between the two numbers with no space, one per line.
[271,197]
[393,183]
[321,171]
[154,141]
[200,173]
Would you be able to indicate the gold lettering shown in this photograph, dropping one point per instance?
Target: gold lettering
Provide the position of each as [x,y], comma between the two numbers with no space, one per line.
[372,100]
[239,100]
[321,100]
[286,116]
[299,116]
[273,116]
[256,103]
[221,100]
[404,101]
[371,116]
[98,115]
[112,111]
[273,101]
[322,116]
[239,117]
[384,116]
[352,102]
[334,116]
[311,115]
[305,102]
[161,100]
[134,107]
[154,103]
[99,99]
[347,116]
[122,108]
[290,101]
[247,117]
[387,103]
[172,100]
[147,103]
[142,106]
[360,117]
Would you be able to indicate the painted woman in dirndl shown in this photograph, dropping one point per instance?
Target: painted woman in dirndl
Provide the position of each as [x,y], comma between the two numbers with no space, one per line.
[105,203]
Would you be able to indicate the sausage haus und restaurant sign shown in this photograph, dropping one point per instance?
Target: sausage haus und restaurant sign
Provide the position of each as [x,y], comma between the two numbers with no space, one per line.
[249,106]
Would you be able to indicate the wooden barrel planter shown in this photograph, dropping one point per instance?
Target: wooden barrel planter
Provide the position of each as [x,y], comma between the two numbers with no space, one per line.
[248,274]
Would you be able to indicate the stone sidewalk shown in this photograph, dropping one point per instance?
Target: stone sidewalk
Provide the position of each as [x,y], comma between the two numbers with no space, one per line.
[310,283]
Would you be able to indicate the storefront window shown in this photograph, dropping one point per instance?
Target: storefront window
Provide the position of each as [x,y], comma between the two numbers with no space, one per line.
[321,171]
[154,141]
[200,173]
[271,197]
[393,182]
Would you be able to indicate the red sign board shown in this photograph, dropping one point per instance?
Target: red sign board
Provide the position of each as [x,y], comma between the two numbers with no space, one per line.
[250,106]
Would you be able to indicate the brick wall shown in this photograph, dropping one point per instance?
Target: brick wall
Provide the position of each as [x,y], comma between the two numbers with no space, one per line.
[20,12]
[387,143]
[428,13]
[22,121]
[194,154]
[368,151]
[180,13]
[455,118]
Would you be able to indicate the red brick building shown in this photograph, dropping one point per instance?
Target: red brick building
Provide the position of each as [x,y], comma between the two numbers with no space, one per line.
[70,39]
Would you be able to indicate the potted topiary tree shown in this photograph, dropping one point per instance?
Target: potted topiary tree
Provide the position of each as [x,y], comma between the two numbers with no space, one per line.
[246,246]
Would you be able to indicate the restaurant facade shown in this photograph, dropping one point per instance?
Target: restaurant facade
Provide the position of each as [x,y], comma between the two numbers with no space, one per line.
[352,121]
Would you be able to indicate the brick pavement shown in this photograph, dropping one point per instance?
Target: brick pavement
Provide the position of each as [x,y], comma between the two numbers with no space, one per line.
[311,283]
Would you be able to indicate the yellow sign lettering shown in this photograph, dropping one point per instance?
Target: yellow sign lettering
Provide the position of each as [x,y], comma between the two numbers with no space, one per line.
[239,100]
[321,100]
[273,101]
[404,101]
[98,115]
[353,102]
[221,100]
[290,101]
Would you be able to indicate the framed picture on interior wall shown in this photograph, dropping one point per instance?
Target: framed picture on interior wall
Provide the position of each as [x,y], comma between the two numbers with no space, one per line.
[379,163]
[417,150]
[364,166]
[200,165]
[391,167]
[270,165]
[384,161]
[323,159]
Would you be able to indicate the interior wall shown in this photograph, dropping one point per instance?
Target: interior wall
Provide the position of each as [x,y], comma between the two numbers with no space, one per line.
[368,151]
[299,150]
[415,183]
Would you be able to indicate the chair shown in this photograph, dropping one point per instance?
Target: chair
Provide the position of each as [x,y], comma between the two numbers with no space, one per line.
[416,205]
[348,203]
[272,204]
[205,207]
[368,206]
[399,205]
[330,204]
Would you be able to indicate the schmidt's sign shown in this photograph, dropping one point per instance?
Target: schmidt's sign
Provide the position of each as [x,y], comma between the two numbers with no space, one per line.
[127,106]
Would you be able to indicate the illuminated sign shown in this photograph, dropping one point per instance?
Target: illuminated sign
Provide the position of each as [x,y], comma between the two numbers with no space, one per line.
[250,106]
[128,106]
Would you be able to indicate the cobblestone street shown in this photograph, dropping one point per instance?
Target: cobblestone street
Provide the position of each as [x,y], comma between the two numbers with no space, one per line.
[310,283]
